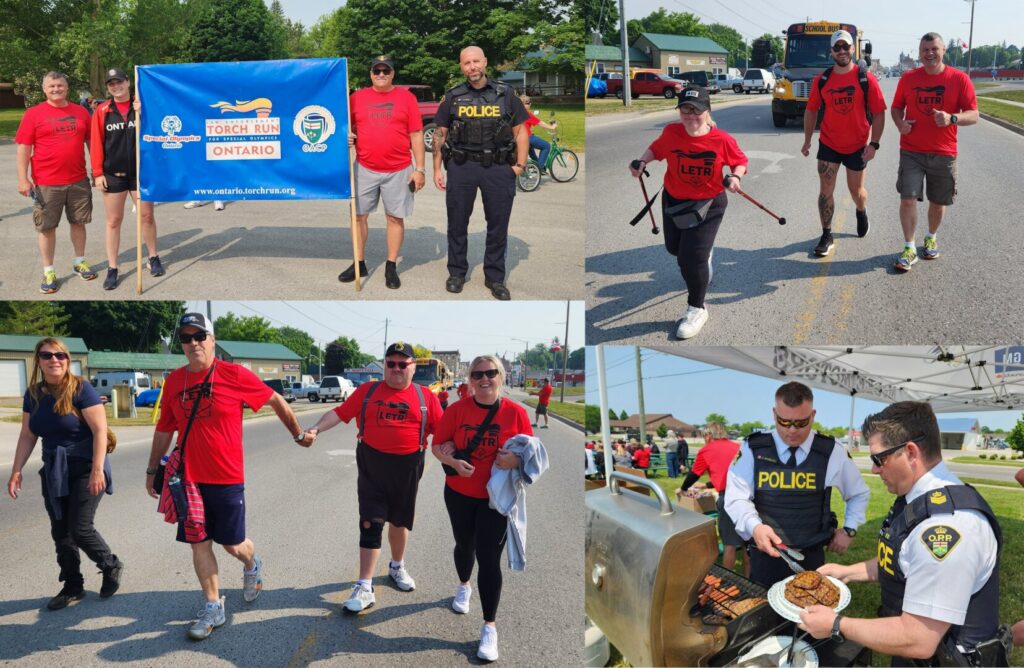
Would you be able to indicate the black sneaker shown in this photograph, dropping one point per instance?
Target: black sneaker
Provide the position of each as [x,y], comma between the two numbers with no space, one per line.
[862,223]
[111,580]
[825,244]
[349,274]
[156,268]
[454,284]
[110,282]
[499,290]
[66,595]
[391,275]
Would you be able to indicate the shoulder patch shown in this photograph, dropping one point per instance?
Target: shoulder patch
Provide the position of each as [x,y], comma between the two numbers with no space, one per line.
[937,498]
[940,539]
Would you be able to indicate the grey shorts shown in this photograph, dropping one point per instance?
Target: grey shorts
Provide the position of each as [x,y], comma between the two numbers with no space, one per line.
[392,187]
[52,201]
[726,528]
[927,174]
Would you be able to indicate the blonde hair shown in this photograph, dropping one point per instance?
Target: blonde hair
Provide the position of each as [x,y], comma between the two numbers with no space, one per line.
[65,390]
[716,431]
[497,364]
[525,99]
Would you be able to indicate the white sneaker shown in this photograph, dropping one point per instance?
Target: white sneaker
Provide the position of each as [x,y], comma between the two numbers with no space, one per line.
[693,321]
[401,578]
[218,205]
[360,599]
[460,604]
[488,649]
[194,204]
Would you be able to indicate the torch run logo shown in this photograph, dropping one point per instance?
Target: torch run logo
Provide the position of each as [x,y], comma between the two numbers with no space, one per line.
[314,125]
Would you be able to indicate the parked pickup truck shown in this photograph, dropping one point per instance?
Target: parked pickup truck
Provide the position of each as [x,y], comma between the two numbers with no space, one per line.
[730,82]
[428,105]
[647,83]
[332,387]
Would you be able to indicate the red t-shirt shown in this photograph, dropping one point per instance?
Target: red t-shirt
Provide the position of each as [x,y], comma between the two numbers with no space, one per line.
[845,128]
[530,122]
[392,417]
[213,453]
[544,396]
[716,457]
[695,164]
[642,458]
[460,423]
[919,93]
[383,121]
[463,391]
[58,136]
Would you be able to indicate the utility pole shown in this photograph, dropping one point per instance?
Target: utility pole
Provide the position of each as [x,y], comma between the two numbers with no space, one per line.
[565,351]
[624,43]
[385,336]
[640,399]
[970,39]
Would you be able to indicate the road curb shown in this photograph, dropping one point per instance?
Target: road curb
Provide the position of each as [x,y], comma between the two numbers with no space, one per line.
[1004,124]
[564,420]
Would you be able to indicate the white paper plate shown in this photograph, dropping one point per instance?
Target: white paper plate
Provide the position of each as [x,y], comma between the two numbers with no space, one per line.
[780,604]
[803,657]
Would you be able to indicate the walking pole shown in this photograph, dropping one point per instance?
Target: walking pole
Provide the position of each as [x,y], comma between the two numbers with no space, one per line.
[138,186]
[648,202]
[356,243]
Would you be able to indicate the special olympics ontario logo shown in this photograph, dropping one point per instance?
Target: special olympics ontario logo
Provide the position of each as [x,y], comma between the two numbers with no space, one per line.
[314,125]
[171,125]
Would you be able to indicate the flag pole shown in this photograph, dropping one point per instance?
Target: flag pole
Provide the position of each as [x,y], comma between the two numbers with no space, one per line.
[138,190]
[352,186]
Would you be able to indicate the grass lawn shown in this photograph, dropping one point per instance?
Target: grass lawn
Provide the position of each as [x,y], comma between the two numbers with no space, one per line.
[569,411]
[1019,463]
[645,104]
[570,125]
[1012,484]
[1015,95]
[980,86]
[1005,112]
[9,120]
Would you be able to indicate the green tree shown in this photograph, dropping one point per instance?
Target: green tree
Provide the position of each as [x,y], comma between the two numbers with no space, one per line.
[33,318]
[299,342]
[662,430]
[422,351]
[230,327]
[578,358]
[230,30]
[612,415]
[597,15]
[747,428]
[592,418]
[716,417]
[730,40]
[623,415]
[1016,437]
[343,353]
[129,326]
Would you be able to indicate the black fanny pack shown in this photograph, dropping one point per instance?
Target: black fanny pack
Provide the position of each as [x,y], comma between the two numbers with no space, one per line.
[465,453]
[686,213]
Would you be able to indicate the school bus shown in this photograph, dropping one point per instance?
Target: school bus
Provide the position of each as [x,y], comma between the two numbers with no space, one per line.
[807,54]
[433,374]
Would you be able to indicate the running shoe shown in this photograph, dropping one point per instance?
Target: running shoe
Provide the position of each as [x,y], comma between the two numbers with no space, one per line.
[156,267]
[211,617]
[862,223]
[693,321]
[110,282]
[49,284]
[906,259]
[218,205]
[825,244]
[66,595]
[194,204]
[460,603]
[252,583]
[488,649]
[359,599]
[931,248]
[84,271]
[401,578]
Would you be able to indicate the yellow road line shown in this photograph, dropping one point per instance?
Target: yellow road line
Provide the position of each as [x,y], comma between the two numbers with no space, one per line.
[805,323]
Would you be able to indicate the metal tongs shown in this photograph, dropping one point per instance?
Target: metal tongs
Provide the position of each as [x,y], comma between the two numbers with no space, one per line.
[788,554]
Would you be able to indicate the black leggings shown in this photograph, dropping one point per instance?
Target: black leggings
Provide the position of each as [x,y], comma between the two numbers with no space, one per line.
[479,532]
[692,246]
[75,528]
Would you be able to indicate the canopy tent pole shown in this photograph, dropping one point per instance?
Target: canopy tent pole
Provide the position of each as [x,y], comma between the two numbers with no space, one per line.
[640,399]
[849,433]
[606,429]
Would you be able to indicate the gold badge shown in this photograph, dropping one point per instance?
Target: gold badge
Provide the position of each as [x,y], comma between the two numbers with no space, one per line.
[937,497]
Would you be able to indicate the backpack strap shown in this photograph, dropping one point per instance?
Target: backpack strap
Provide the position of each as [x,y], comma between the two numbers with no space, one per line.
[862,77]
[423,415]
[362,411]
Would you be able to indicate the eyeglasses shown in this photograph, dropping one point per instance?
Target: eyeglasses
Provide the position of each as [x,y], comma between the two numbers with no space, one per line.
[198,337]
[687,110]
[878,459]
[477,375]
[794,424]
[47,355]
[382,70]
[401,365]
[841,46]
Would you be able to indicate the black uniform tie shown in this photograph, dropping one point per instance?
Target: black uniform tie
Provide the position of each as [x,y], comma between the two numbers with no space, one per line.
[792,457]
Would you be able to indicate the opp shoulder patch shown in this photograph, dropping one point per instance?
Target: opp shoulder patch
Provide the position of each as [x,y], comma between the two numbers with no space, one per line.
[940,539]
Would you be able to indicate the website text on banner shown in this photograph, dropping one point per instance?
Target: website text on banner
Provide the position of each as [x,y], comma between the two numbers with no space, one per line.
[275,129]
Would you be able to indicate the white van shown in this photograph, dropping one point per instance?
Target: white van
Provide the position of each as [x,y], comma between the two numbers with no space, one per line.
[758,80]
[107,380]
[333,387]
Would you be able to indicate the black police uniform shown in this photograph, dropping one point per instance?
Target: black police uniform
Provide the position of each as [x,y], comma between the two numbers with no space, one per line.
[794,502]
[982,620]
[478,153]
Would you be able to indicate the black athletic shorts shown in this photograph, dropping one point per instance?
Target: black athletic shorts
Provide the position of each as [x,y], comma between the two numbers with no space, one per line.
[852,161]
[224,507]
[121,183]
[387,485]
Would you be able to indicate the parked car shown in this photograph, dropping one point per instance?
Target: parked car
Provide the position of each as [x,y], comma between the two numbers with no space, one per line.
[135,381]
[147,398]
[279,386]
[428,104]
[730,82]
[700,78]
[647,83]
[758,80]
[333,387]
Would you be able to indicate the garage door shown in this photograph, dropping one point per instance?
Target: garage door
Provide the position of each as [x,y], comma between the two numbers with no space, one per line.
[12,378]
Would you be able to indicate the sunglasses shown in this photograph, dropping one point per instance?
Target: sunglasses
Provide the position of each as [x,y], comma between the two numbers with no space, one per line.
[198,337]
[841,47]
[382,70]
[400,365]
[687,110]
[47,355]
[878,459]
[794,424]
[477,375]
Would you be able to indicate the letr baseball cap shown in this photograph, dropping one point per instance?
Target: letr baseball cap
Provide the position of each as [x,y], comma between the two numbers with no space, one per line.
[841,36]
[400,348]
[696,96]
[383,60]
[116,74]
[197,320]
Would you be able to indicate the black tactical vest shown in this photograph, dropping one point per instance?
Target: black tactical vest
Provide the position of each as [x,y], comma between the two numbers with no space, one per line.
[481,120]
[793,501]
[983,609]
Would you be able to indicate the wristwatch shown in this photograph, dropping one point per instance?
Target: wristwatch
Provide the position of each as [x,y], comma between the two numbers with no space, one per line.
[875,145]
[850,532]
[836,635]
[420,170]
[300,437]
[152,470]
[519,165]
[952,119]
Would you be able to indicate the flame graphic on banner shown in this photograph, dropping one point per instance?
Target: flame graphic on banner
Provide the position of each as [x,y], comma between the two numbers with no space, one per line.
[260,105]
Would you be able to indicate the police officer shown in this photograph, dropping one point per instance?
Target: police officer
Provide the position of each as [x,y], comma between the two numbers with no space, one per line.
[780,486]
[938,556]
[484,145]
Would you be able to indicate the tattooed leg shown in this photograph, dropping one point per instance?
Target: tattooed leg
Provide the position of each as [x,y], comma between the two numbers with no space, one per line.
[826,203]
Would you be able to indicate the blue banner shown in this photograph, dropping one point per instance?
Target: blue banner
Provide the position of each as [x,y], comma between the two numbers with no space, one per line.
[275,129]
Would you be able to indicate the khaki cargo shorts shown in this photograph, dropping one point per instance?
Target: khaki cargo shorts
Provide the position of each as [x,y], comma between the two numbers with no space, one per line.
[52,201]
[927,174]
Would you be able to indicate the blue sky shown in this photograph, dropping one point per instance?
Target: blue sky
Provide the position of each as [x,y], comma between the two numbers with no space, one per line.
[691,390]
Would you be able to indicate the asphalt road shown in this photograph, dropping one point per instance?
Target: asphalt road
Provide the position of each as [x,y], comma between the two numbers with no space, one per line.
[768,287]
[302,515]
[296,249]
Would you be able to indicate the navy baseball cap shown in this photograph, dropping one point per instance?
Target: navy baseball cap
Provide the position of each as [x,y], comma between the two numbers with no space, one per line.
[116,74]
[400,348]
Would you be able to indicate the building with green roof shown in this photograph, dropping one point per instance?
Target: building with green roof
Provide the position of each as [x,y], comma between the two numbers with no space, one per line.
[157,365]
[673,54]
[266,360]
[602,58]
[17,353]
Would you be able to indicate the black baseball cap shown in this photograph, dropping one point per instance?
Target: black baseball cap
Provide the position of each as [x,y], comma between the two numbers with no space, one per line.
[696,96]
[114,73]
[400,348]
[197,320]
[383,60]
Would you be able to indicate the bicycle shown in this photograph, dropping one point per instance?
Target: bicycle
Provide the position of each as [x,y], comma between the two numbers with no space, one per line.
[562,164]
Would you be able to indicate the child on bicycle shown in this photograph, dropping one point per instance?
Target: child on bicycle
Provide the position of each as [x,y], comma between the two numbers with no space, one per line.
[536,143]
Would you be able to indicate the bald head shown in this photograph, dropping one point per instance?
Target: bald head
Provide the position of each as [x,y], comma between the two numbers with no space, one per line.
[473,64]
[472,50]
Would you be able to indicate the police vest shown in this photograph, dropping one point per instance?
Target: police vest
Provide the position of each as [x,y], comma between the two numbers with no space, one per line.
[481,120]
[794,501]
[982,618]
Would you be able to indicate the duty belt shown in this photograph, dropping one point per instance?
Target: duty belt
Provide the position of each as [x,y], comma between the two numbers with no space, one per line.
[485,157]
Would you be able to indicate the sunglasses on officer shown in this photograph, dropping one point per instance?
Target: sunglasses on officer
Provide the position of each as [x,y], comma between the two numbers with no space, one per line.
[198,337]
[47,355]
[878,459]
[381,70]
[392,364]
[477,375]
[840,46]
[794,424]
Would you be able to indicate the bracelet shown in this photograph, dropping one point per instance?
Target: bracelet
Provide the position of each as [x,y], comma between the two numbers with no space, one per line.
[736,176]
[421,170]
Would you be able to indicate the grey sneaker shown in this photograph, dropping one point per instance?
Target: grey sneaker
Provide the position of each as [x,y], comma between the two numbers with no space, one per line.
[360,599]
[460,603]
[401,578]
[211,617]
[252,583]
